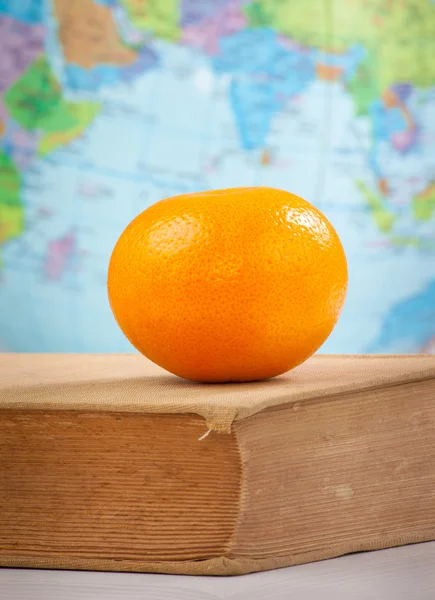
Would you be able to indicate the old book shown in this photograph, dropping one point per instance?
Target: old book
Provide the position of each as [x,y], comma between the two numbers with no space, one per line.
[109,463]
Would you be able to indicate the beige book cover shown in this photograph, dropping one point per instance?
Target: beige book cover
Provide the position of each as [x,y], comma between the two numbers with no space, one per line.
[110,463]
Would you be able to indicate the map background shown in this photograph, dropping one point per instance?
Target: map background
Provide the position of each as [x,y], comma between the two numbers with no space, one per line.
[107,107]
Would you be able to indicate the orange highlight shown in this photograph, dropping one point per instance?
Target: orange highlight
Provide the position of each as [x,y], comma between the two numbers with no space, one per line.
[392,100]
[427,193]
[265,158]
[383,187]
[328,72]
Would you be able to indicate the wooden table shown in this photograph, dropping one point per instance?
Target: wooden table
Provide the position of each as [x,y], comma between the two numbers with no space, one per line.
[406,573]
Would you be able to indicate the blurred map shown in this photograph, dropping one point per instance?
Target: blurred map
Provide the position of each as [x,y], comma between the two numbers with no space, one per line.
[109,106]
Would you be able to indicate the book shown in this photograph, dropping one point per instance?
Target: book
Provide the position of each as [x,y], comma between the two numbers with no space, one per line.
[110,463]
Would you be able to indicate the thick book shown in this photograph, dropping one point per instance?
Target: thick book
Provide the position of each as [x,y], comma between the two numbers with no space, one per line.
[109,463]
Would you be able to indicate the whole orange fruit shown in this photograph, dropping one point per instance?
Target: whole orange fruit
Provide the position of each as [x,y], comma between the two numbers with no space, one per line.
[229,285]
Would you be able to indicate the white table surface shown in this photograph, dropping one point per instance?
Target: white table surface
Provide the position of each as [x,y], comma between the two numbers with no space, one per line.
[406,573]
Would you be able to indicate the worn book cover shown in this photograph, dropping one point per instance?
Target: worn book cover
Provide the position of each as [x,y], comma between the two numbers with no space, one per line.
[110,463]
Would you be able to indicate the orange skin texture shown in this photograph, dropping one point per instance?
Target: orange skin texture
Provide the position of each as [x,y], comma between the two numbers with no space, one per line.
[240,284]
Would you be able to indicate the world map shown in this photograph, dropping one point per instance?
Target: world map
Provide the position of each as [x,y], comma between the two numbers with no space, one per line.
[107,106]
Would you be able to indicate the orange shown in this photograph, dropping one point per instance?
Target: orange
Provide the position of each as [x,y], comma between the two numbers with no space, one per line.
[229,285]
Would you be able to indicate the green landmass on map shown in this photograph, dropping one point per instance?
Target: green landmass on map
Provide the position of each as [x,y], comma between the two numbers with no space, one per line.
[10,181]
[11,206]
[35,97]
[402,241]
[401,34]
[36,102]
[398,38]
[376,204]
[423,205]
[385,220]
[160,17]
[364,85]
[82,114]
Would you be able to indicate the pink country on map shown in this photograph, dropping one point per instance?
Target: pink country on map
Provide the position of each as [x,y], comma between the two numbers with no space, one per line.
[396,97]
[59,256]
[21,144]
[20,44]
[196,11]
[204,33]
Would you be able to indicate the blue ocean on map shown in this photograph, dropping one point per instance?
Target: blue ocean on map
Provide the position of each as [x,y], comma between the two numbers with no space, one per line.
[113,105]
